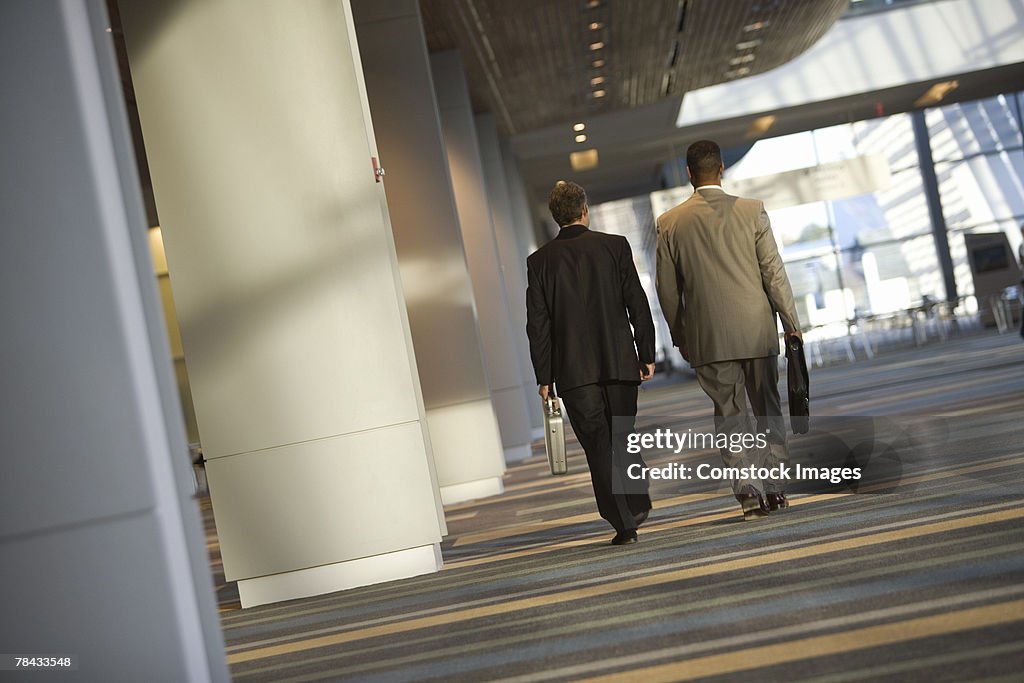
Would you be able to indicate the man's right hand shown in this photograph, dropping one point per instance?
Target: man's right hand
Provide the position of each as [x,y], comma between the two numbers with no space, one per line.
[796,333]
[543,391]
[646,371]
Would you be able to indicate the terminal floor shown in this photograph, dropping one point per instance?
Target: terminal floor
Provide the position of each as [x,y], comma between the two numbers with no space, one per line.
[921,580]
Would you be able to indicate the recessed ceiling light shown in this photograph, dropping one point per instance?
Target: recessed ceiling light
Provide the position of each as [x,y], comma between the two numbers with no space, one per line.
[597,45]
[748,44]
[935,93]
[742,59]
[593,4]
[736,73]
[578,126]
[597,80]
[582,137]
[599,93]
[584,160]
[597,63]
[760,126]
[756,26]
[596,25]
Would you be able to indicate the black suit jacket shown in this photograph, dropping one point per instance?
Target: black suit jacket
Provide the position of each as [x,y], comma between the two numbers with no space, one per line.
[582,296]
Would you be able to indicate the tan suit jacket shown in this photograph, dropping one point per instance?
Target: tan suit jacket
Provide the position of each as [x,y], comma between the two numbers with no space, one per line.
[720,278]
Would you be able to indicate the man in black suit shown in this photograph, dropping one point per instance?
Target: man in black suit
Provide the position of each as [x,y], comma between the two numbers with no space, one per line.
[583,295]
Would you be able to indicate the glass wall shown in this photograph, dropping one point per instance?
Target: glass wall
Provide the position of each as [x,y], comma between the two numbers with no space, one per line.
[864,255]
[874,254]
[979,161]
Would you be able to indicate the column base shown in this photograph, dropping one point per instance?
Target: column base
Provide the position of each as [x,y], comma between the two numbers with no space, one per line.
[518,453]
[304,583]
[513,421]
[471,490]
[466,442]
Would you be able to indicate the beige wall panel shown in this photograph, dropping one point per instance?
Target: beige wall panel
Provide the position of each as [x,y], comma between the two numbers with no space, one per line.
[271,222]
[368,501]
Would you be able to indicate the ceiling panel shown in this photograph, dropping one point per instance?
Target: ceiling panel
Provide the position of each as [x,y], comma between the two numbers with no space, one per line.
[531,62]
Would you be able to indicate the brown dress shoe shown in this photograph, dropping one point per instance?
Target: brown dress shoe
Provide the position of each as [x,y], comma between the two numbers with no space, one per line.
[777,501]
[752,502]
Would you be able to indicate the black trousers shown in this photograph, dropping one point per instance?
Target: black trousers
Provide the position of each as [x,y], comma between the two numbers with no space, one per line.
[591,409]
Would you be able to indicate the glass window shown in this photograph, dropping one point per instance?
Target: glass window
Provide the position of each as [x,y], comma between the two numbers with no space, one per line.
[817,290]
[775,155]
[801,231]
[898,211]
[982,189]
[891,136]
[835,143]
[968,128]
[892,276]
[874,253]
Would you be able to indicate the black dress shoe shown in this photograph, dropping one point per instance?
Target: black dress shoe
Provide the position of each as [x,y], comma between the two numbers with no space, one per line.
[752,502]
[641,517]
[625,537]
[776,501]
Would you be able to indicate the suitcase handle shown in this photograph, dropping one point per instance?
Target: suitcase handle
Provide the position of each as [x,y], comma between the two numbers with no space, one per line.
[551,404]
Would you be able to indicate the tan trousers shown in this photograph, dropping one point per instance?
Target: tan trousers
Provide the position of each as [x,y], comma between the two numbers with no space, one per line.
[729,385]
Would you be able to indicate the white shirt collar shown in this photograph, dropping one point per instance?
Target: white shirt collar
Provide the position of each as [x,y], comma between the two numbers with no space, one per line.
[704,187]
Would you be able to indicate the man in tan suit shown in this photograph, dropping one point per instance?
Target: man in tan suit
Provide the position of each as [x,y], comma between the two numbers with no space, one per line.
[721,282]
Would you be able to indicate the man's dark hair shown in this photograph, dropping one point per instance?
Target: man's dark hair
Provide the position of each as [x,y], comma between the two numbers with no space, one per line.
[704,159]
[566,202]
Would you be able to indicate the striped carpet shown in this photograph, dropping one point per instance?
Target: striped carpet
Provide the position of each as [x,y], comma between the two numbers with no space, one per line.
[924,581]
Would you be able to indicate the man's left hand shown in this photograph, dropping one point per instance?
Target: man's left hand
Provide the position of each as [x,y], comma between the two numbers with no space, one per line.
[543,391]
[646,371]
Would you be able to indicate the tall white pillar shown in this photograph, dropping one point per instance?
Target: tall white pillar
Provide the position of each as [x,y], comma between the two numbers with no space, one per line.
[287,290]
[463,427]
[482,254]
[524,217]
[102,552]
[509,228]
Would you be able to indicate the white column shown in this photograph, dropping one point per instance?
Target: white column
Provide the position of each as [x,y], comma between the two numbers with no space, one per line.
[523,213]
[288,296]
[509,229]
[485,266]
[463,426]
[102,552]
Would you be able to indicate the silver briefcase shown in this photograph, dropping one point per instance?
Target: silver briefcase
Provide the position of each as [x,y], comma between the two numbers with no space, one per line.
[554,434]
